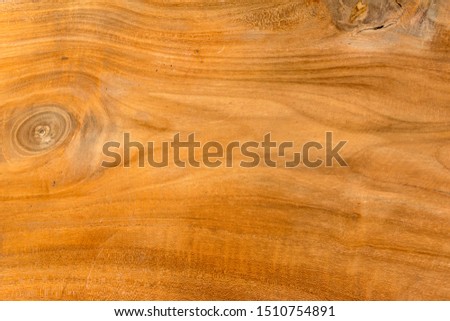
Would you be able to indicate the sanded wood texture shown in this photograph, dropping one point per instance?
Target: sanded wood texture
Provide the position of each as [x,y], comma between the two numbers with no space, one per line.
[77,74]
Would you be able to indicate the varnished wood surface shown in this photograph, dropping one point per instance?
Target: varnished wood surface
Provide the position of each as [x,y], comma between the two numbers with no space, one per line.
[375,73]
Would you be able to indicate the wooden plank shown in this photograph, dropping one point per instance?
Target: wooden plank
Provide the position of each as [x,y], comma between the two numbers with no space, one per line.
[74,75]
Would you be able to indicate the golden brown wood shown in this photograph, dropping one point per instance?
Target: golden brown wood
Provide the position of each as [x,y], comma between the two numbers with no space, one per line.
[374,72]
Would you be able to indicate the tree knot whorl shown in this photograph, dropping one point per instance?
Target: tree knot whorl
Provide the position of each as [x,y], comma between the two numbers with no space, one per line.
[41,129]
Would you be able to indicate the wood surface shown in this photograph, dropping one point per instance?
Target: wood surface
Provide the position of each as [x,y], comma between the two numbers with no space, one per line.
[376,73]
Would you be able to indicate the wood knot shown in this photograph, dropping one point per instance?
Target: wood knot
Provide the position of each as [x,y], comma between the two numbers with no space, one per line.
[360,15]
[40,129]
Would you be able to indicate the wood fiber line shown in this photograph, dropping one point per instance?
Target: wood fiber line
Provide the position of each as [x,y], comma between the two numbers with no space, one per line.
[76,74]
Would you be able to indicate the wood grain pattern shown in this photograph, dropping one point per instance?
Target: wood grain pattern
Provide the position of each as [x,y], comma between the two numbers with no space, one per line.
[374,72]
